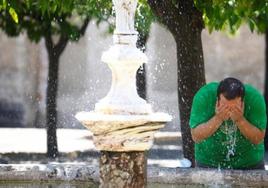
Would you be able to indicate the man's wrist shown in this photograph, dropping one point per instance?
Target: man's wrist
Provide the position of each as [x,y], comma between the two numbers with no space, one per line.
[239,121]
[218,120]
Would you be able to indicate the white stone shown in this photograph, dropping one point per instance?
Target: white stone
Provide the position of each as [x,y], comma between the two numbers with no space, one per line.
[125,13]
[124,61]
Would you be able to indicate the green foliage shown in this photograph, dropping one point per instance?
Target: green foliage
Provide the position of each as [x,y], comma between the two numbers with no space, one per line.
[144,18]
[230,14]
[4,6]
[38,18]
[13,14]
[102,10]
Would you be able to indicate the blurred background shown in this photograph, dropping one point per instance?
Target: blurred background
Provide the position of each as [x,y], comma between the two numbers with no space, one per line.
[84,79]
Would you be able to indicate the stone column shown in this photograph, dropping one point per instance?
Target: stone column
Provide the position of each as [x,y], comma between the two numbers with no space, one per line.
[123,169]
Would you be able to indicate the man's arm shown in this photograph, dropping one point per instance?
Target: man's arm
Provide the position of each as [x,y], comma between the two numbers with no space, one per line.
[252,133]
[207,129]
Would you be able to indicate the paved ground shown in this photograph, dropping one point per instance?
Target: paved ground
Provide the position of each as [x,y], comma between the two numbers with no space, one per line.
[16,144]
[34,140]
[26,140]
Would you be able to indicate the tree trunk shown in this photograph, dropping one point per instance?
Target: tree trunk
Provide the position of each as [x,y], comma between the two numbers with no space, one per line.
[141,73]
[51,102]
[185,23]
[54,52]
[266,87]
[190,72]
[191,77]
[141,81]
[123,169]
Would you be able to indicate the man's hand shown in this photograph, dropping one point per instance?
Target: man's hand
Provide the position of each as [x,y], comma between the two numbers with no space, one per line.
[237,113]
[250,131]
[222,112]
[205,130]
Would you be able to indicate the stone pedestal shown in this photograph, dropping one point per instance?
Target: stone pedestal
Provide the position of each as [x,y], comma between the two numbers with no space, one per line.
[123,141]
[123,169]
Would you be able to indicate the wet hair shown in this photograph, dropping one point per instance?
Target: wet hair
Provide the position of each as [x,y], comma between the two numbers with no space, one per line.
[231,88]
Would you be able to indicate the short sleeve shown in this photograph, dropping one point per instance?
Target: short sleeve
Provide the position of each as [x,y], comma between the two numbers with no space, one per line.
[203,108]
[256,114]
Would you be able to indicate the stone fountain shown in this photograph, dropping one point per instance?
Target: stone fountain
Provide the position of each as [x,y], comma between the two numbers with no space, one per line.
[123,124]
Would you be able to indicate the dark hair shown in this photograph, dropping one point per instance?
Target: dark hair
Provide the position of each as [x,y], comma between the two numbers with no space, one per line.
[231,88]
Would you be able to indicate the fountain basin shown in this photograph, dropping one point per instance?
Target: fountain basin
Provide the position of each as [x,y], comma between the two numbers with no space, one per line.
[57,175]
[122,132]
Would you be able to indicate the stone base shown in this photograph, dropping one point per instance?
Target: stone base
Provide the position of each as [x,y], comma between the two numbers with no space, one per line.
[123,133]
[120,170]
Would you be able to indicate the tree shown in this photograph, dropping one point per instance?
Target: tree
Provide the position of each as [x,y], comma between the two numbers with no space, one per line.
[230,15]
[185,23]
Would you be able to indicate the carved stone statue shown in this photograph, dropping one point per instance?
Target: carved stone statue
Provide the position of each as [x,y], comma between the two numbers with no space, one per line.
[125,14]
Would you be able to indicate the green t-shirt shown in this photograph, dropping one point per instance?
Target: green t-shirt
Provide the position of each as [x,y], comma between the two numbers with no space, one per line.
[227,147]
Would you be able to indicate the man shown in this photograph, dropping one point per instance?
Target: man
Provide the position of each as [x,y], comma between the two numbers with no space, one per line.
[228,121]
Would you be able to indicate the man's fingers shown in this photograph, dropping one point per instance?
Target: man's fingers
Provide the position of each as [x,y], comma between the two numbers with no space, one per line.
[222,108]
[237,109]
[224,113]
[240,107]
